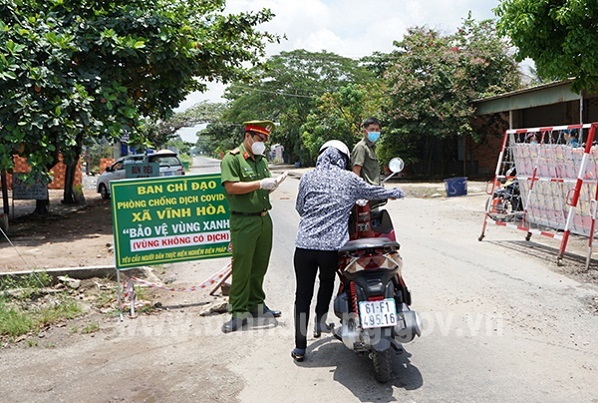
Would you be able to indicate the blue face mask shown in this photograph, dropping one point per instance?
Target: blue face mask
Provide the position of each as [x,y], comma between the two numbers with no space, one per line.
[373,136]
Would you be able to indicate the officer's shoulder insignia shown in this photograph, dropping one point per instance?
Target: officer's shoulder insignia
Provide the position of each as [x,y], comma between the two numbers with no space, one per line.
[235,151]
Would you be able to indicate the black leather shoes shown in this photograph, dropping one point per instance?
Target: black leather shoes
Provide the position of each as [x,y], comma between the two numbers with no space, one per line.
[317,329]
[265,312]
[321,326]
[234,324]
[298,354]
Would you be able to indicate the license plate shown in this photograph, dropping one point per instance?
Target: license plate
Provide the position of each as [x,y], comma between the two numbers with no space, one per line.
[381,313]
[167,173]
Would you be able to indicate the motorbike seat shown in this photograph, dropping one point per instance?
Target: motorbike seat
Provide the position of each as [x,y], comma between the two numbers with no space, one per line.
[369,243]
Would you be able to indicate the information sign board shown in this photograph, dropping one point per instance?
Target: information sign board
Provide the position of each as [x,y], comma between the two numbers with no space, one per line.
[169,219]
[25,191]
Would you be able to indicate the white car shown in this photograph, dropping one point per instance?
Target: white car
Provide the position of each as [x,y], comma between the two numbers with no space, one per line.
[170,165]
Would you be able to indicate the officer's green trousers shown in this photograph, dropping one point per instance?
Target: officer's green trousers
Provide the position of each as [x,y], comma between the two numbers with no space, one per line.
[251,237]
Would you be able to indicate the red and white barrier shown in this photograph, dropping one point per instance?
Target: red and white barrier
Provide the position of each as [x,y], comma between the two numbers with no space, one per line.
[558,180]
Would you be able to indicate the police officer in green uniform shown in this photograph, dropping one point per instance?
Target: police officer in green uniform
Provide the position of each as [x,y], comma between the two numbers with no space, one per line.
[363,157]
[248,183]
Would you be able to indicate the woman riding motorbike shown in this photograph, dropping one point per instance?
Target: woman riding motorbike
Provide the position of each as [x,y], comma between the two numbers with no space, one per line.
[324,202]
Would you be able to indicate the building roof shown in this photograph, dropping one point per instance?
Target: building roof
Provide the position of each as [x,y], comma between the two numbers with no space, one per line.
[545,94]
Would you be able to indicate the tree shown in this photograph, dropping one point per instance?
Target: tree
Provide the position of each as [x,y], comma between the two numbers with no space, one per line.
[218,137]
[432,80]
[161,132]
[286,90]
[86,68]
[203,112]
[339,115]
[560,36]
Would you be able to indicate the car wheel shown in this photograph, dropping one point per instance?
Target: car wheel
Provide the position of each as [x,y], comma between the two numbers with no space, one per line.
[104,192]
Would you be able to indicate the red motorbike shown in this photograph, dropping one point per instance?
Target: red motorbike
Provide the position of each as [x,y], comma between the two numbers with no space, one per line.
[373,300]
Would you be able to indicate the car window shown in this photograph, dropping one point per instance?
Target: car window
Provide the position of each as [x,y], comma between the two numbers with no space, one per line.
[133,158]
[165,160]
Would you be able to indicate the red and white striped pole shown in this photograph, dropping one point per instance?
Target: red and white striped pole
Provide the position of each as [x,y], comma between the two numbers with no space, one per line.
[578,183]
[496,173]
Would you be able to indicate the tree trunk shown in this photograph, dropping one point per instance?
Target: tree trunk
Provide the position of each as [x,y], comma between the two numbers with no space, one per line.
[42,207]
[5,204]
[69,196]
[428,155]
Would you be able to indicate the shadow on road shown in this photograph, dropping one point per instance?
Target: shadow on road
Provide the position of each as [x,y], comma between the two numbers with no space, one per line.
[356,372]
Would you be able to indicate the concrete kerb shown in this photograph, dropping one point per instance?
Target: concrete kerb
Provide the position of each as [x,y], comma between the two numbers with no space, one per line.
[81,273]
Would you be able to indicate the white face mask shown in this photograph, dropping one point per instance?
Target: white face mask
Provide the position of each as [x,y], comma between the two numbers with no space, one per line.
[258,148]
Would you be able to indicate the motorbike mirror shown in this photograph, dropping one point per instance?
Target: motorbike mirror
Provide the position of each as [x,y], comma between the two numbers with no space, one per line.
[396,165]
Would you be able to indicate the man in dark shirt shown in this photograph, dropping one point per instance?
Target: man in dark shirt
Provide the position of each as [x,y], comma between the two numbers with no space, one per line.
[363,157]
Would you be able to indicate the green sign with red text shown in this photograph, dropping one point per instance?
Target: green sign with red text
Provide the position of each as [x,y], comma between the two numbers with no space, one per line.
[169,219]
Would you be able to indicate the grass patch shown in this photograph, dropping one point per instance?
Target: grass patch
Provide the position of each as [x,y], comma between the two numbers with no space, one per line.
[16,320]
[64,309]
[24,308]
[91,328]
[35,280]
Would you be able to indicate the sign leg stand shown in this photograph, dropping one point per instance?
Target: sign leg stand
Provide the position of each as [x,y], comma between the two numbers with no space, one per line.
[119,296]
[131,288]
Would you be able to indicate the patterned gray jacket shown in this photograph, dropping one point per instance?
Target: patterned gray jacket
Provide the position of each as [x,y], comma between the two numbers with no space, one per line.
[325,199]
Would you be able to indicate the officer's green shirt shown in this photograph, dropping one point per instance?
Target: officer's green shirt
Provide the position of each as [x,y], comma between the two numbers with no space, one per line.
[364,155]
[238,166]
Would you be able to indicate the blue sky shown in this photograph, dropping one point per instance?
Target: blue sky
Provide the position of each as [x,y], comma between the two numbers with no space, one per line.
[351,28]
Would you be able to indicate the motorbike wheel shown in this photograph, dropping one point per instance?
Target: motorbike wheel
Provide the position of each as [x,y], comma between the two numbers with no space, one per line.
[499,209]
[382,365]
[492,210]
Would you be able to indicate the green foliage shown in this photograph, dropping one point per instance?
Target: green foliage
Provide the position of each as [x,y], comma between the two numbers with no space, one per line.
[182,147]
[162,132]
[95,150]
[218,137]
[64,309]
[286,90]
[432,80]
[339,116]
[75,70]
[560,36]
[203,112]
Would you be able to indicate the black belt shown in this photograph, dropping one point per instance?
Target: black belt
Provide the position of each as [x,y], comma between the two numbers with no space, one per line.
[260,213]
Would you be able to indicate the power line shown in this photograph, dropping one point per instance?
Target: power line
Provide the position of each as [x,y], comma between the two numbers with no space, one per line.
[278,92]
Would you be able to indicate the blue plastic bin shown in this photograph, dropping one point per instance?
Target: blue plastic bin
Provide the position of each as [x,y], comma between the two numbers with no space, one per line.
[456,186]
